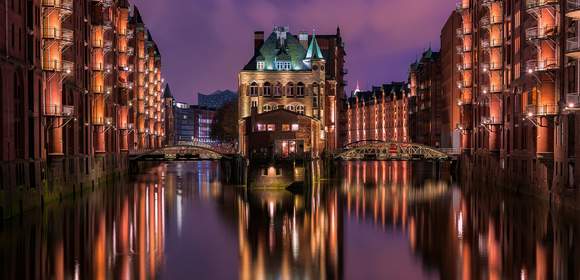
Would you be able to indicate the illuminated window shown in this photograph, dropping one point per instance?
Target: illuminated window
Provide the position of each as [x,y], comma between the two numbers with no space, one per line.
[285,127]
[254,104]
[271,127]
[300,109]
[300,90]
[278,90]
[267,89]
[290,89]
[267,108]
[295,127]
[261,127]
[254,89]
[261,65]
[283,65]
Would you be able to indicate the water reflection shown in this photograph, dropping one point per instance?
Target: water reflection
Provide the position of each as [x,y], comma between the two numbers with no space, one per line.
[373,220]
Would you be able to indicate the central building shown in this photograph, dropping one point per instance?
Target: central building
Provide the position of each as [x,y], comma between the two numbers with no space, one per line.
[287,108]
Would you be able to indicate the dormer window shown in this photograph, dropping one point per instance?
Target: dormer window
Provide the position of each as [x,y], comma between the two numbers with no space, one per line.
[261,65]
[283,65]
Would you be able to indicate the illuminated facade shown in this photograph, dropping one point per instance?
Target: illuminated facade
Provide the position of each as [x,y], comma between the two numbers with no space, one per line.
[520,92]
[380,114]
[288,73]
[73,116]
[425,110]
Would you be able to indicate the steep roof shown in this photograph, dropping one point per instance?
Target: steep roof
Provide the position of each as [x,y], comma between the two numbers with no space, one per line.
[314,50]
[167,93]
[137,19]
[277,47]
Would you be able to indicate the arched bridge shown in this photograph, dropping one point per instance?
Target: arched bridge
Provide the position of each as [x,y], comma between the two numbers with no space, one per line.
[381,150]
[185,152]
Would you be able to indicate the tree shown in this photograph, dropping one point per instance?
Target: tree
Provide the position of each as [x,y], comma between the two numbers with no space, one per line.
[225,125]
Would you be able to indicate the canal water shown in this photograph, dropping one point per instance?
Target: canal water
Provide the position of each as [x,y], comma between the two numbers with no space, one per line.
[352,220]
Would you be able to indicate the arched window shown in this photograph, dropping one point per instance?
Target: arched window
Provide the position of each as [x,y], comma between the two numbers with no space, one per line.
[254,89]
[300,109]
[315,92]
[291,108]
[300,90]
[278,90]
[267,108]
[267,89]
[290,90]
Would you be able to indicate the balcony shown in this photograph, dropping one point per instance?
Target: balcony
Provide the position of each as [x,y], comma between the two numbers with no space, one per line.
[573,101]
[487,67]
[493,89]
[59,111]
[541,65]
[55,65]
[573,47]
[486,21]
[573,9]
[494,43]
[130,51]
[463,84]
[488,2]
[541,33]
[541,110]
[540,4]
[66,6]
[102,90]
[490,121]
[464,66]
[59,34]
[130,34]
[462,31]
[464,101]
[106,3]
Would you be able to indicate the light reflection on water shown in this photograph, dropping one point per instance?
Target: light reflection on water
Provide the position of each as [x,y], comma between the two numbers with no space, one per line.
[370,220]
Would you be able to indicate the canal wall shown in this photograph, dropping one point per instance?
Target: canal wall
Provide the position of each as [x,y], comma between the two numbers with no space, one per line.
[60,178]
[529,177]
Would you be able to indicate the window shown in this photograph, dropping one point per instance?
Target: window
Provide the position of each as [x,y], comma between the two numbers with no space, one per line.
[254,104]
[300,90]
[315,101]
[254,89]
[267,108]
[300,109]
[278,90]
[283,65]
[271,127]
[291,108]
[295,127]
[290,90]
[267,89]
[285,127]
[261,127]
[261,65]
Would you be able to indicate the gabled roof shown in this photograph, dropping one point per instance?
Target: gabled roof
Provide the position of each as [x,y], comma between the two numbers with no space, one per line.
[314,50]
[275,48]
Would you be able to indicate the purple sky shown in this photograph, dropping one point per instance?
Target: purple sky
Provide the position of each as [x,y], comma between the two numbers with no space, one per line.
[204,43]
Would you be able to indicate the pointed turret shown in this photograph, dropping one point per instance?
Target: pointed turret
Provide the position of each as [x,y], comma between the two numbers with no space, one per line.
[167,92]
[314,50]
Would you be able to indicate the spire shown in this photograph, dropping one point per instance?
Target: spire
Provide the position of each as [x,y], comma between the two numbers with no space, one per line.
[167,92]
[337,31]
[357,90]
[314,50]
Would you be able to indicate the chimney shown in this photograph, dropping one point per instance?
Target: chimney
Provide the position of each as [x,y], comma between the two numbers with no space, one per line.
[303,38]
[258,40]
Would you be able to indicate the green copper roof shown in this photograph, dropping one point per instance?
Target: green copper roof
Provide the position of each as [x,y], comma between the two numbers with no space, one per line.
[285,47]
[314,50]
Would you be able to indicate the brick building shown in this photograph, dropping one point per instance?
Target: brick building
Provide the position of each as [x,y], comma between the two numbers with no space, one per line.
[450,83]
[520,93]
[289,72]
[379,114]
[72,80]
[425,104]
